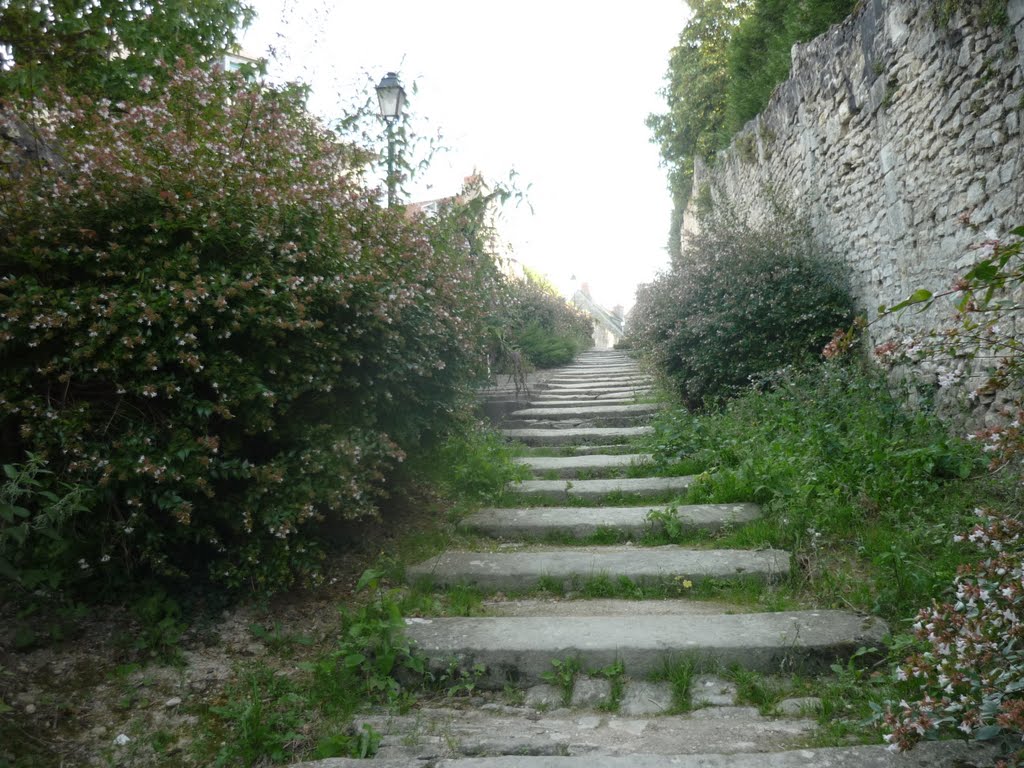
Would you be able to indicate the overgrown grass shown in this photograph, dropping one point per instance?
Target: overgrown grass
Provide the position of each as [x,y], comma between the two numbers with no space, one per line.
[865,492]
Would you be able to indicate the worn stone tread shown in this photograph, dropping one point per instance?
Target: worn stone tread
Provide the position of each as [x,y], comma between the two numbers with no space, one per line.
[607,384]
[940,754]
[595,490]
[498,730]
[578,435]
[619,607]
[521,648]
[571,466]
[578,403]
[525,570]
[580,522]
[583,411]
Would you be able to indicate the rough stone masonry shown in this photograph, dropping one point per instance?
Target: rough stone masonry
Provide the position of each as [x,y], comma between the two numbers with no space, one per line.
[892,131]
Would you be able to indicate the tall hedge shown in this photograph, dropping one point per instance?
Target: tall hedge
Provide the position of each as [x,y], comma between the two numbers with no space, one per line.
[209,324]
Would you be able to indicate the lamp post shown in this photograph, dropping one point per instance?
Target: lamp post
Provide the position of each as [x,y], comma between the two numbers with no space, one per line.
[391,96]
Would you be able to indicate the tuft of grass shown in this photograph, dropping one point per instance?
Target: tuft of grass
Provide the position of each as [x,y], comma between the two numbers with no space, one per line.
[757,690]
[614,673]
[678,672]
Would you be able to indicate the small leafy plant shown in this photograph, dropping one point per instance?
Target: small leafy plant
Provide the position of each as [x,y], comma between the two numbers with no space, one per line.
[563,676]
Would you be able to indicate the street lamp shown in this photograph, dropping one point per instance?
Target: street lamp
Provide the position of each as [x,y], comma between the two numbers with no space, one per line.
[391,96]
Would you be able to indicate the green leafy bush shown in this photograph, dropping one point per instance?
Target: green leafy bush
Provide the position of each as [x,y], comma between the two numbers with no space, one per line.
[208,321]
[866,492]
[539,324]
[740,301]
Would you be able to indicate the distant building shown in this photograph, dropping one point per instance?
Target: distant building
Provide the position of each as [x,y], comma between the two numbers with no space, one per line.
[609,325]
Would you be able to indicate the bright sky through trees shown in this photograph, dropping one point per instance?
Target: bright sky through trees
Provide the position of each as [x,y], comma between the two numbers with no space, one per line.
[557,91]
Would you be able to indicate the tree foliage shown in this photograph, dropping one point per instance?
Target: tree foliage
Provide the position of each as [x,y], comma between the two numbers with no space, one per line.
[760,49]
[741,302]
[729,59]
[696,84]
[103,47]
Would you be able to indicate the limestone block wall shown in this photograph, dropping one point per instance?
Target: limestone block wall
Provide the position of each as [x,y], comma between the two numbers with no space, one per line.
[893,134]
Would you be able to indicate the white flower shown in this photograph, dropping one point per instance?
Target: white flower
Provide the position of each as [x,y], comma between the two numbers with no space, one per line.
[121,739]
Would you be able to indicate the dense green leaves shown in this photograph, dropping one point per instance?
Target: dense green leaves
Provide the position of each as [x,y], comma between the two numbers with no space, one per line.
[105,47]
[730,57]
[759,52]
[740,302]
[695,89]
[208,321]
[537,326]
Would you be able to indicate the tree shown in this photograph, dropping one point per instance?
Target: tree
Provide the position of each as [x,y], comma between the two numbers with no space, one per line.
[730,57]
[103,48]
[697,82]
[759,51]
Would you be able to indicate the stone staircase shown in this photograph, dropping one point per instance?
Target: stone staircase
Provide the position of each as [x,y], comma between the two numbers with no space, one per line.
[567,682]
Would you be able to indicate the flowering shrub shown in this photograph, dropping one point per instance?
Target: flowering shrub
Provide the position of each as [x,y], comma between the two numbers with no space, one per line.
[970,675]
[207,320]
[740,301]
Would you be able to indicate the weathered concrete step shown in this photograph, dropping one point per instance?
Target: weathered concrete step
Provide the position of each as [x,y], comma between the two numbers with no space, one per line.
[572,466]
[583,411]
[581,522]
[599,378]
[578,402]
[526,570]
[577,422]
[629,395]
[937,754]
[582,435]
[607,384]
[520,649]
[495,729]
[620,608]
[595,490]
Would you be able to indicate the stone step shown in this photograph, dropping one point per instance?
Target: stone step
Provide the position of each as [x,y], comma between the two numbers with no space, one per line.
[938,754]
[581,435]
[596,490]
[581,522]
[584,411]
[572,466]
[495,729]
[577,450]
[520,649]
[606,384]
[577,422]
[628,395]
[599,378]
[620,608]
[580,402]
[528,569]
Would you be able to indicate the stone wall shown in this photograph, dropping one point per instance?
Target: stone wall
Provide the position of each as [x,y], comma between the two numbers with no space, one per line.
[899,138]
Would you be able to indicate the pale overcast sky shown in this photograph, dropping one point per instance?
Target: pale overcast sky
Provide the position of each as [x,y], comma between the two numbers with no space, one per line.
[557,90]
